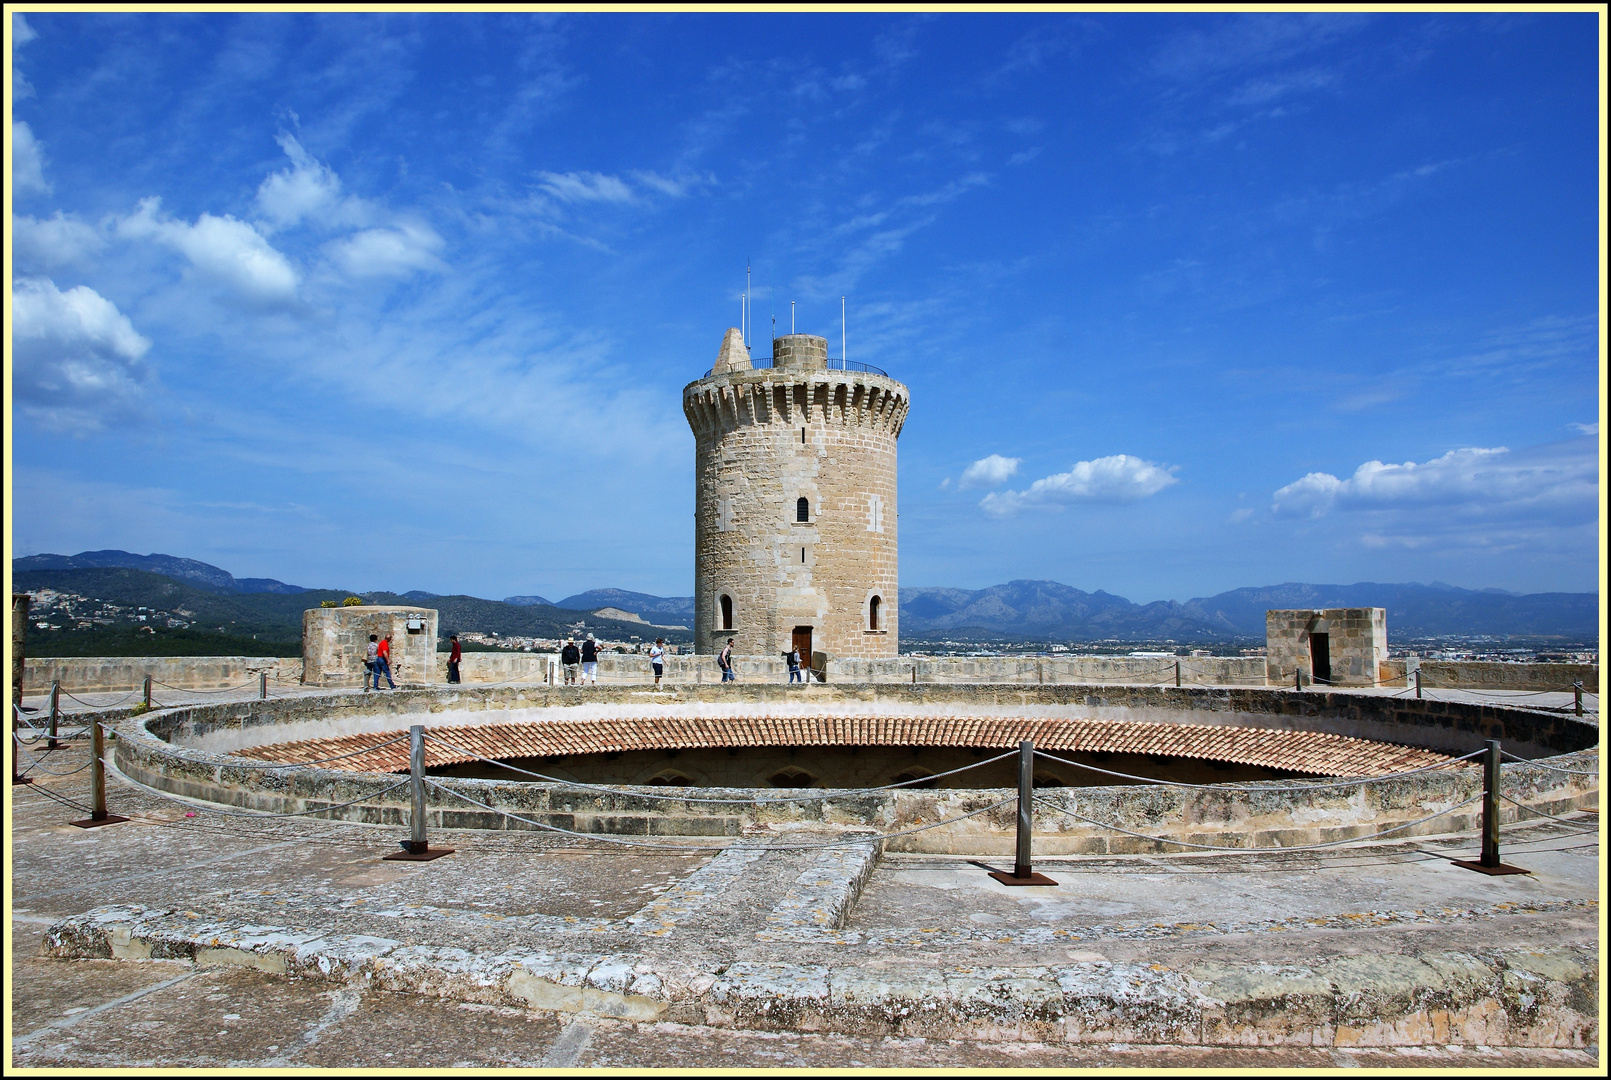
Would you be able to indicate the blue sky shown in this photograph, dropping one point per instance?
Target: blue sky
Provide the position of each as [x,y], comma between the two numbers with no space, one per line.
[1184,302]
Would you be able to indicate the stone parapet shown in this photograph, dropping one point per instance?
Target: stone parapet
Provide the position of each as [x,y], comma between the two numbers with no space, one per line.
[113,674]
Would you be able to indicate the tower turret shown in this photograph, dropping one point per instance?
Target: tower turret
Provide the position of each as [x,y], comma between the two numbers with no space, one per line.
[795,505]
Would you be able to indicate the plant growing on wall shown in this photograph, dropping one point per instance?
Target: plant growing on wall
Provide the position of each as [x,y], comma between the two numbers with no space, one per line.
[352,601]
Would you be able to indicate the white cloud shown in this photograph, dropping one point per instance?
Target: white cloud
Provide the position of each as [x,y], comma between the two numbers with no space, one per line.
[27,161]
[1585,429]
[394,252]
[21,34]
[1119,478]
[78,358]
[308,189]
[1538,488]
[989,471]
[585,187]
[224,249]
[55,241]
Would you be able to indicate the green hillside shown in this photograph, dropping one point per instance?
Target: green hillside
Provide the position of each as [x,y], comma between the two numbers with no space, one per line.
[250,624]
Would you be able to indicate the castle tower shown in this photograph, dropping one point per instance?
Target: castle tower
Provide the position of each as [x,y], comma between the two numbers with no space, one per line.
[795,512]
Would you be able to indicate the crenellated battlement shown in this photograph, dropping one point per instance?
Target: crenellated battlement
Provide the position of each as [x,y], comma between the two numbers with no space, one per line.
[786,396]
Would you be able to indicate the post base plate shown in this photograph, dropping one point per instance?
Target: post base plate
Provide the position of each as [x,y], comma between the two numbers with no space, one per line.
[419,856]
[1502,868]
[95,823]
[1033,879]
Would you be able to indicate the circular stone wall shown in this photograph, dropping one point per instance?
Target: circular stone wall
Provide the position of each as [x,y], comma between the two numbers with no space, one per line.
[218,753]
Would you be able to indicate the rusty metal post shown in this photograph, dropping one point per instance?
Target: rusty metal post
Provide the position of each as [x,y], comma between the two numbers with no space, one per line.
[1177,674]
[1417,684]
[1023,869]
[19,638]
[98,815]
[415,848]
[914,679]
[1577,695]
[148,693]
[55,713]
[1297,678]
[262,686]
[1489,862]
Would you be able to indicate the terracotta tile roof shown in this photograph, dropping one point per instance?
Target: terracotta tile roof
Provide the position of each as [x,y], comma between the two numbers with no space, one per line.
[1314,752]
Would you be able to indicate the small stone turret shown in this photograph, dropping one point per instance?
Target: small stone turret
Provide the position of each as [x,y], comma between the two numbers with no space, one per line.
[795,515]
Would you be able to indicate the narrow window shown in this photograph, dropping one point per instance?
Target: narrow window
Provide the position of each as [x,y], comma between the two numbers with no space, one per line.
[802,436]
[872,613]
[802,556]
[727,612]
[802,509]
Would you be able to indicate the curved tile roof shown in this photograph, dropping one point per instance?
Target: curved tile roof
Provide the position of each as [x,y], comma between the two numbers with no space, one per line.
[1314,752]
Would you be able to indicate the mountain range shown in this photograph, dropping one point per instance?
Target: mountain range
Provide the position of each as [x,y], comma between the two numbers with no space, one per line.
[1017,610]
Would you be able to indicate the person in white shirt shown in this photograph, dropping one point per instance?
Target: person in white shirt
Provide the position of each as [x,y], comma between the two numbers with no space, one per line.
[657,658]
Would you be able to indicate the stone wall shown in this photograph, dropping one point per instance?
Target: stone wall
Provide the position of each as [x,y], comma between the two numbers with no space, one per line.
[763,440]
[113,674]
[1480,675]
[335,642]
[160,750]
[1357,639]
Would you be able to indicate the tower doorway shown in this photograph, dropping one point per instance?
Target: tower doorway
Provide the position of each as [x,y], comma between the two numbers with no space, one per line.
[1320,657]
[802,644]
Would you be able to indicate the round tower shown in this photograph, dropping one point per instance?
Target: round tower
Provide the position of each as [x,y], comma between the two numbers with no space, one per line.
[795,511]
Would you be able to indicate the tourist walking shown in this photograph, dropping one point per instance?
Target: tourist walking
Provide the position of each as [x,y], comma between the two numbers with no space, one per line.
[383,662]
[571,657]
[657,658]
[590,661]
[793,656]
[371,663]
[453,659]
[724,660]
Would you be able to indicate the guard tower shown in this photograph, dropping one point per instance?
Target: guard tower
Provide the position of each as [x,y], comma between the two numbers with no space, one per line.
[795,512]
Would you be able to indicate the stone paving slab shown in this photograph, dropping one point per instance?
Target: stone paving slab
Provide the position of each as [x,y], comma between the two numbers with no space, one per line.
[732,956]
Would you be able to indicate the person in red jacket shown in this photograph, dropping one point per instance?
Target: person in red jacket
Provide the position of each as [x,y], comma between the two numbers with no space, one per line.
[453,659]
[383,662]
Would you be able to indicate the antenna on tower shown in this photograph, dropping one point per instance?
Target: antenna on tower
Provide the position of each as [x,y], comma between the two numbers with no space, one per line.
[791,316]
[746,303]
[844,356]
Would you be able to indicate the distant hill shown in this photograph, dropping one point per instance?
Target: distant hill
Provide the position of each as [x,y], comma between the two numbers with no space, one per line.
[662,610]
[1048,610]
[526,601]
[203,575]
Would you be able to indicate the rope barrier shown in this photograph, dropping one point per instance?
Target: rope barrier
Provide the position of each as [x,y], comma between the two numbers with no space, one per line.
[834,794]
[1300,847]
[37,764]
[1237,787]
[111,705]
[1551,768]
[261,814]
[315,761]
[862,839]
[1538,813]
[194,690]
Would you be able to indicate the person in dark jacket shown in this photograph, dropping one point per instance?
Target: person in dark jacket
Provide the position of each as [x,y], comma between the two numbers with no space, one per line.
[571,657]
[590,661]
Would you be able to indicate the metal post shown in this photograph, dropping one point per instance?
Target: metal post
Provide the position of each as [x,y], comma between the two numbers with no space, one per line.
[1297,678]
[55,713]
[262,686]
[1577,695]
[1489,862]
[148,693]
[415,848]
[19,634]
[1023,870]
[914,679]
[16,750]
[1490,805]
[1177,674]
[1418,684]
[98,815]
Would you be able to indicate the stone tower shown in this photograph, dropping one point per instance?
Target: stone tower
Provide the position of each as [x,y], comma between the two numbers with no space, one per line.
[795,512]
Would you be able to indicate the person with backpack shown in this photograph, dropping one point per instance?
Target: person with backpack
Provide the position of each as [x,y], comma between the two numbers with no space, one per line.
[590,661]
[724,660]
[371,663]
[793,657]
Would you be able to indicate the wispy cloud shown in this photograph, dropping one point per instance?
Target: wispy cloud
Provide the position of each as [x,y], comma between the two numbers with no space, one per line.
[309,188]
[1239,42]
[54,242]
[27,161]
[573,187]
[1116,479]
